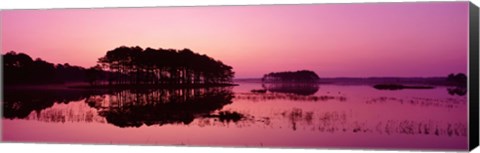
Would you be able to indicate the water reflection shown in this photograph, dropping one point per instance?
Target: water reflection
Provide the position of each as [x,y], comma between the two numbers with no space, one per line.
[134,108]
[420,101]
[460,91]
[227,116]
[125,108]
[344,121]
[304,89]
[20,103]
[71,112]
[287,96]
[432,114]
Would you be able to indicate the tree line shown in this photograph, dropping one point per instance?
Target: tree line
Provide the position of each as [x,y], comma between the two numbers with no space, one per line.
[20,68]
[302,76]
[122,66]
[459,79]
[134,65]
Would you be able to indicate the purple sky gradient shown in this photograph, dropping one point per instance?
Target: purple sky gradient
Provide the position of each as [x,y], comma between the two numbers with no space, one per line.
[334,40]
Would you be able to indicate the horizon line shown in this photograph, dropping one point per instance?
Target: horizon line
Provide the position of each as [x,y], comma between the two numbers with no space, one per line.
[370,77]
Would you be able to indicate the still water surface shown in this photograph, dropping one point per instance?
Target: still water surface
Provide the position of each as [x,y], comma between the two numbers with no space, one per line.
[317,116]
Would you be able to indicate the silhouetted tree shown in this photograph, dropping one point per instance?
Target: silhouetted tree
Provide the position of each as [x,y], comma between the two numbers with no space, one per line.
[137,107]
[17,68]
[20,69]
[303,76]
[94,74]
[134,65]
[459,79]
[122,66]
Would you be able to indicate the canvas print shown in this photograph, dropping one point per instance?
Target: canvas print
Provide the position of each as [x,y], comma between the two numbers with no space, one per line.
[345,76]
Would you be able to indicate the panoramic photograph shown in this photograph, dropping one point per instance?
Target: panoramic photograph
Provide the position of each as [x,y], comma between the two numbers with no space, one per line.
[343,76]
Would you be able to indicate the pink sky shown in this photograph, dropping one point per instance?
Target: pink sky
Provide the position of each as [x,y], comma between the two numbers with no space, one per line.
[334,40]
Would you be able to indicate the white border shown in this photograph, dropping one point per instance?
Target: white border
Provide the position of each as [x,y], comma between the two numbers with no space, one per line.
[61,148]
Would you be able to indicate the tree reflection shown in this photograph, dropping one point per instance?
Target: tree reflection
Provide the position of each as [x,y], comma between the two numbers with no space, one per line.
[286,96]
[227,116]
[123,108]
[304,89]
[134,108]
[341,121]
[71,112]
[138,107]
[19,103]
[460,91]
[459,84]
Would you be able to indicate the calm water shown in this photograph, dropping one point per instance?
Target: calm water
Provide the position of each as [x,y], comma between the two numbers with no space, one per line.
[323,116]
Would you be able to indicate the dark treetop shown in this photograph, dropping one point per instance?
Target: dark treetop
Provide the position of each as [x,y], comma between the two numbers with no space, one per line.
[303,76]
[134,65]
[123,67]
[21,69]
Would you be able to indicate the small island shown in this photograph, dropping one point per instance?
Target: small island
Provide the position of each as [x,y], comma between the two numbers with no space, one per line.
[399,87]
[303,76]
[303,82]
[459,81]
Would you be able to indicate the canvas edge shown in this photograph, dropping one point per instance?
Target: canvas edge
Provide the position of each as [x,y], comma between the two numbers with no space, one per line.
[473,77]
[228,5]
[1,75]
[473,73]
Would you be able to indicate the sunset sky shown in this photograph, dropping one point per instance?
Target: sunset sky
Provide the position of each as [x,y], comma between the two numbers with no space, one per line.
[334,40]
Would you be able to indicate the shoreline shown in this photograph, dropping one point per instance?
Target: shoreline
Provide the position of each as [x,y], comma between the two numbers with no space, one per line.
[85,86]
[147,86]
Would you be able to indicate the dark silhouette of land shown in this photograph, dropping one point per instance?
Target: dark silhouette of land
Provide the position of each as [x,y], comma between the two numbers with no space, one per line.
[152,86]
[455,83]
[302,76]
[399,87]
[302,82]
[123,67]
[21,69]
[167,86]
[135,66]
[431,81]
[458,81]
[259,90]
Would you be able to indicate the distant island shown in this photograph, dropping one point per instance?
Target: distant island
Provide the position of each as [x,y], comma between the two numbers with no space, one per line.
[303,82]
[399,87]
[456,80]
[303,76]
[135,67]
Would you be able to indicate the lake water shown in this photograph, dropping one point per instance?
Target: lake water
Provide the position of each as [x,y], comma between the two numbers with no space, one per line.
[318,116]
